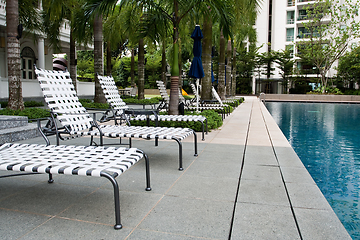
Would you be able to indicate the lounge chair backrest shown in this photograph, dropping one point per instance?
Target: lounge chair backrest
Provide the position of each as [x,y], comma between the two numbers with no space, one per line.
[216,95]
[181,97]
[193,88]
[60,96]
[111,93]
[163,92]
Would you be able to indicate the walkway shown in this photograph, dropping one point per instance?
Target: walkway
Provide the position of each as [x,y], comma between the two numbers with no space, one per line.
[246,183]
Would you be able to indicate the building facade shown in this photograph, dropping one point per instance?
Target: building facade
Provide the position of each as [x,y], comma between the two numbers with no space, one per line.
[34,49]
[280,25]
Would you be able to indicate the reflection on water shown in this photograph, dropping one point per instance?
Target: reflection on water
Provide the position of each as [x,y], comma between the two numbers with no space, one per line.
[326,137]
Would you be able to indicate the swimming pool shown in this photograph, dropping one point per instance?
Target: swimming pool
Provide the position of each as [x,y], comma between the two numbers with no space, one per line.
[326,138]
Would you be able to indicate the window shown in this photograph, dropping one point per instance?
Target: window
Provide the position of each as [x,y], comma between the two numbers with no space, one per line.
[27,63]
[289,34]
[302,14]
[290,17]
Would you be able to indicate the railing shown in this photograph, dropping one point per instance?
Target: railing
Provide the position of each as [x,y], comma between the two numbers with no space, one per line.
[291,3]
[290,21]
[300,1]
[309,17]
[289,38]
[308,35]
[2,7]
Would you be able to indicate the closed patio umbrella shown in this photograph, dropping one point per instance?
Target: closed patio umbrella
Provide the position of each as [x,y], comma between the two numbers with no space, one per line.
[196,68]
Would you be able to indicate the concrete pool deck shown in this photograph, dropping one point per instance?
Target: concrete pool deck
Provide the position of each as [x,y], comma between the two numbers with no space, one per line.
[246,183]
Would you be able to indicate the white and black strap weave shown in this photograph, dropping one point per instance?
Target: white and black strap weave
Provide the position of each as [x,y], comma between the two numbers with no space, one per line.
[68,160]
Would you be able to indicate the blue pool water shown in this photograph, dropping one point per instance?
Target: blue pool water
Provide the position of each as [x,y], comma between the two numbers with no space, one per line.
[326,138]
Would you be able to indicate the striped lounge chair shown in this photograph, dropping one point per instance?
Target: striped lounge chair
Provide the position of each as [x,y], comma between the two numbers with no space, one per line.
[73,120]
[119,109]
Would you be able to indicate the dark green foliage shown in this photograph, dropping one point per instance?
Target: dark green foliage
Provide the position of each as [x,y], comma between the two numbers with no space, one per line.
[213,118]
[33,104]
[26,104]
[141,101]
[187,97]
[349,66]
[31,113]
[4,104]
[87,103]
[352,92]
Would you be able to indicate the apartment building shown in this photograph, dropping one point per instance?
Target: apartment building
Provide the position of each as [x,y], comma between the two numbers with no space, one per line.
[280,23]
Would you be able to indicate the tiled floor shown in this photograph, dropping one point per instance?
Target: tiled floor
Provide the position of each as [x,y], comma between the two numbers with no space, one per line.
[246,183]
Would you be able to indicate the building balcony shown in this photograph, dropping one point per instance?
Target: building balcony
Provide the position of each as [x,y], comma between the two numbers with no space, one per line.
[291,3]
[289,38]
[304,1]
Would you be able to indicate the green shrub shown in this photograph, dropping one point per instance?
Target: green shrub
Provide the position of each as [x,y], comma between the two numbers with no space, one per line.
[214,121]
[33,104]
[187,97]
[31,113]
[141,101]
[26,104]
[4,104]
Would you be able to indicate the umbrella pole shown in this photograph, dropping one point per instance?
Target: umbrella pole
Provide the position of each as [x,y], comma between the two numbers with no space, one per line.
[197,95]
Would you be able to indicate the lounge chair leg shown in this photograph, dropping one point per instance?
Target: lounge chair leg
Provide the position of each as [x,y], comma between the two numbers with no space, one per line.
[206,127]
[116,199]
[203,136]
[195,143]
[180,154]
[147,166]
[51,180]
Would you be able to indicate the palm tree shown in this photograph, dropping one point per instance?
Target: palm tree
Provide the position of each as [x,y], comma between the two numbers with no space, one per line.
[206,83]
[19,14]
[221,75]
[228,68]
[171,12]
[13,56]
[56,14]
[98,58]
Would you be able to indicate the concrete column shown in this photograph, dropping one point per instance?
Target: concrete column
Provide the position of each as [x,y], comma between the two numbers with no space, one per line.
[253,85]
[41,53]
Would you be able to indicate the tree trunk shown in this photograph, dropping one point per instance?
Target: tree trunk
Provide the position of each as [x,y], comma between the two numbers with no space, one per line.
[174,85]
[73,61]
[206,83]
[98,59]
[141,70]
[180,67]
[228,69]
[163,62]
[221,77]
[132,68]
[233,81]
[108,59]
[13,56]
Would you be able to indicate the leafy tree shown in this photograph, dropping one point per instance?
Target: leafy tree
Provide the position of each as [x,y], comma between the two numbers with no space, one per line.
[286,65]
[349,66]
[153,68]
[246,65]
[266,60]
[328,29]
[170,12]
[85,64]
[55,15]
